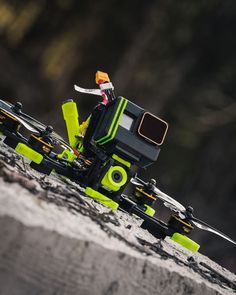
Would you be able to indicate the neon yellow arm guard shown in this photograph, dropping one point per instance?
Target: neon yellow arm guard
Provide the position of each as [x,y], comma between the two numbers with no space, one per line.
[71,117]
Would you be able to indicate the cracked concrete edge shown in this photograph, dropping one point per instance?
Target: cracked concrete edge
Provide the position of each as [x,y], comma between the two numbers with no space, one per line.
[48,250]
[44,262]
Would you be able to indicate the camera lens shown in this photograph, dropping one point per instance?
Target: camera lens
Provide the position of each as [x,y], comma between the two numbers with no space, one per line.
[116,176]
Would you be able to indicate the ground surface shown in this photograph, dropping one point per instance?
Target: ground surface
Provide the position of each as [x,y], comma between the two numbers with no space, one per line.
[55,240]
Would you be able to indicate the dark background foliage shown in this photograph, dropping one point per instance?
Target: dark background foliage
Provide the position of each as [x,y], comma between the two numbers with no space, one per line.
[175,58]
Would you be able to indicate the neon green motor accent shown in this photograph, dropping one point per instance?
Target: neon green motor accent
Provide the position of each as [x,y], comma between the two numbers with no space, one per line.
[110,183]
[122,161]
[68,155]
[115,122]
[29,153]
[81,149]
[71,117]
[185,242]
[83,127]
[149,210]
[101,198]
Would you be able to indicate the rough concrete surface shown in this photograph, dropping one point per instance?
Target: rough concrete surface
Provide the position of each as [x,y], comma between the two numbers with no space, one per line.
[55,240]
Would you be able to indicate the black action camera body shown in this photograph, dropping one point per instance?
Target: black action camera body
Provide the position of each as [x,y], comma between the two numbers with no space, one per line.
[121,135]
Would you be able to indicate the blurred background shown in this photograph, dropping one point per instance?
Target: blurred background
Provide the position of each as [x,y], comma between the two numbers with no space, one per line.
[174,58]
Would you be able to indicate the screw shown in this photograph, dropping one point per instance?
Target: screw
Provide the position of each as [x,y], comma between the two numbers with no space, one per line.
[153,181]
[189,210]
[49,129]
[17,107]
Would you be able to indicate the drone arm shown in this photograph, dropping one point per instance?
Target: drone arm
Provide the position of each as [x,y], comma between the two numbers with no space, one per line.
[156,227]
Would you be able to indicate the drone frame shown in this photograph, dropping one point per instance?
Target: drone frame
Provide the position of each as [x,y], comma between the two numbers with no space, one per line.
[99,155]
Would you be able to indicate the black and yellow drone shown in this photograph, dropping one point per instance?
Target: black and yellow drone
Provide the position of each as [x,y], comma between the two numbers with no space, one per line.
[103,154]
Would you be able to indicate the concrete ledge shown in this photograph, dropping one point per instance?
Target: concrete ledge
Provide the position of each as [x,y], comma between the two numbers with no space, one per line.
[47,249]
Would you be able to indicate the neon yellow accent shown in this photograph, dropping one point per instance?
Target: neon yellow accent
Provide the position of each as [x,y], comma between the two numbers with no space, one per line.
[68,155]
[71,117]
[185,242]
[115,122]
[101,198]
[149,210]
[81,149]
[108,181]
[83,127]
[122,161]
[29,153]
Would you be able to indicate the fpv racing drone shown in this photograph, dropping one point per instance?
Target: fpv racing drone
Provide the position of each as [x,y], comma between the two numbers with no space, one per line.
[103,154]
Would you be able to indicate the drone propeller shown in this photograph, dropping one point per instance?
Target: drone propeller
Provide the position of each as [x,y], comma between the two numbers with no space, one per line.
[138,182]
[32,125]
[35,126]
[176,206]
[25,124]
[182,212]
[204,226]
[151,186]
